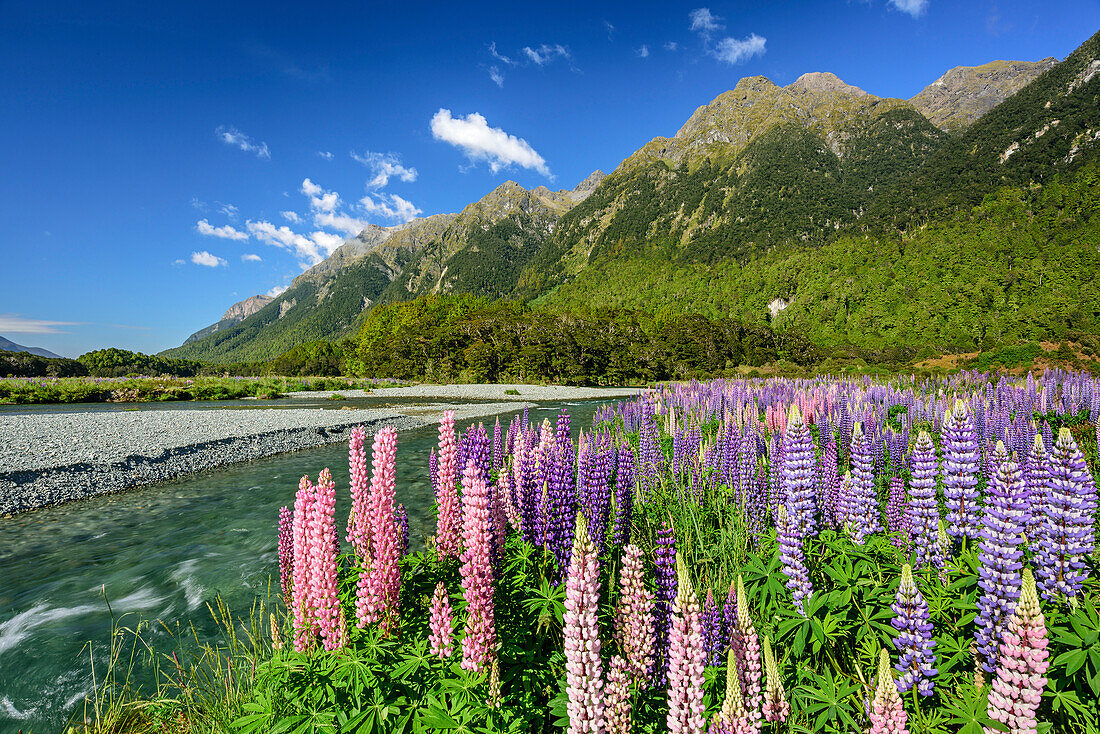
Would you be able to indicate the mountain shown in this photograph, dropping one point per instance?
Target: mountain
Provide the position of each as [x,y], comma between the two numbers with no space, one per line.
[7,345]
[479,250]
[237,313]
[962,95]
[816,208]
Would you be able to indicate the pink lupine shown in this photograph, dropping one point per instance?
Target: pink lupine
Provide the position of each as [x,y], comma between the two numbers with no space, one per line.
[687,658]
[776,707]
[323,561]
[441,638]
[359,518]
[305,630]
[887,714]
[634,614]
[448,507]
[583,668]
[379,596]
[1022,666]
[746,646]
[618,708]
[479,644]
[733,718]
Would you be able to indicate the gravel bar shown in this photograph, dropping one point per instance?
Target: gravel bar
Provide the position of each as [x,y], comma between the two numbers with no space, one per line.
[50,458]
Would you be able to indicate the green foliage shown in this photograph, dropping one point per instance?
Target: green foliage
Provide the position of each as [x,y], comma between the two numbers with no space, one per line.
[121,362]
[25,364]
[469,338]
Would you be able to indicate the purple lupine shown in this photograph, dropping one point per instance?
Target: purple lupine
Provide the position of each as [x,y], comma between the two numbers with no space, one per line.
[712,629]
[829,477]
[1066,536]
[913,641]
[923,511]
[797,475]
[896,512]
[563,426]
[286,551]
[433,470]
[497,455]
[1036,476]
[960,473]
[563,504]
[665,576]
[789,541]
[863,511]
[1000,556]
[401,517]
[624,497]
[729,617]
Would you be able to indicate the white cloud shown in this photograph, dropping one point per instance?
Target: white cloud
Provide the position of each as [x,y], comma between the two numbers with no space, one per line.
[291,217]
[250,258]
[198,204]
[671,46]
[389,206]
[233,136]
[226,233]
[703,21]
[499,56]
[491,144]
[319,199]
[546,53]
[914,8]
[350,226]
[229,210]
[277,291]
[205,258]
[16,324]
[325,154]
[643,52]
[312,249]
[383,166]
[496,76]
[736,50]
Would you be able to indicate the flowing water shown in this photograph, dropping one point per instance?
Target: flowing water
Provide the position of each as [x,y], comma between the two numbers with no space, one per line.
[161,553]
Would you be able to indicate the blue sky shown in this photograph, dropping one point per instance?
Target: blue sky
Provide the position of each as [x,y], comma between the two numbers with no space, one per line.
[164,160]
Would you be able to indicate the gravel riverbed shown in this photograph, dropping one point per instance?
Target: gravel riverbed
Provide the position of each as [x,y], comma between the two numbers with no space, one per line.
[50,458]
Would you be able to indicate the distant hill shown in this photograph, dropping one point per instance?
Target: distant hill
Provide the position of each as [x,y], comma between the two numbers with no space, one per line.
[6,345]
[237,313]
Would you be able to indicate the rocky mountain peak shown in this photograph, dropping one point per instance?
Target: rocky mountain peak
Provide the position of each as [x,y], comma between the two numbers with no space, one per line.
[825,81]
[243,309]
[588,185]
[963,94]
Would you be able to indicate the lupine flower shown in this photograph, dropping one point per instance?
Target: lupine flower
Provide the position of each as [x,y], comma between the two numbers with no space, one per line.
[379,588]
[401,517]
[286,551]
[686,660]
[960,473]
[729,616]
[896,512]
[359,530]
[829,479]
[797,475]
[618,696]
[322,559]
[305,626]
[913,641]
[441,637]
[887,713]
[1036,476]
[862,515]
[733,718]
[793,559]
[1021,673]
[634,614]
[923,511]
[479,644]
[712,628]
[665,576]
[448,505]
[1000,556]
[496,445]
[584,669]
[746,645]
[624,497]
[776,706]
[1066,535]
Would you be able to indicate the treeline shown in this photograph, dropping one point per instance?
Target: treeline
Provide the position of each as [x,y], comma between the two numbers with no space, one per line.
[122,362]
[25,364]
[460,337]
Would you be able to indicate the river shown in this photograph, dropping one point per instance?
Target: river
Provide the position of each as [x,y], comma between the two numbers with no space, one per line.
[161,552]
